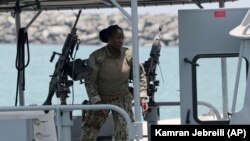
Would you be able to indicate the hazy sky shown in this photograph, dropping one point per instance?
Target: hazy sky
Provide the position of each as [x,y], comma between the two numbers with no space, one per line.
[174,9]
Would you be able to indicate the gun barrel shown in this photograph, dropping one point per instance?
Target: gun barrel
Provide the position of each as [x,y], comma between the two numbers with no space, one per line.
[77,18]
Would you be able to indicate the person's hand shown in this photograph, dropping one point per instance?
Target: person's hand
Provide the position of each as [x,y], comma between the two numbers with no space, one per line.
[144,104]
[103,113]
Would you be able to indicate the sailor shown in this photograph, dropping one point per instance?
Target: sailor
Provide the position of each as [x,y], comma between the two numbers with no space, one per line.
[109,84]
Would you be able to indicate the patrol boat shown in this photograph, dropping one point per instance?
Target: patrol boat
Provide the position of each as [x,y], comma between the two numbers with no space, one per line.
[214,35]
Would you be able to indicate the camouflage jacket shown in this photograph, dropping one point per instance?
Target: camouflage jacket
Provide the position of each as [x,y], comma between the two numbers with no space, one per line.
[96,60]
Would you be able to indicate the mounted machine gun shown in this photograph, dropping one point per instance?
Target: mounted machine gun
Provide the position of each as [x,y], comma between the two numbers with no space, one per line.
[150,68]
[59,83]
[152,114]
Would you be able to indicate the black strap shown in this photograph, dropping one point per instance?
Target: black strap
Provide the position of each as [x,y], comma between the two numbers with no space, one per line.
[20,57]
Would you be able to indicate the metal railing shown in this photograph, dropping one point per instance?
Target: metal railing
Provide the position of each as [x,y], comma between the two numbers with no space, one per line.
[64,109]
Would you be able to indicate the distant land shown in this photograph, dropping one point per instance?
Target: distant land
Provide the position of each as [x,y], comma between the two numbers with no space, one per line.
[52,27]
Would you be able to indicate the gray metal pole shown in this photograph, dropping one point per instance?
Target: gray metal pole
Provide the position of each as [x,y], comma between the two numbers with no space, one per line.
[136,80]
[224,79]
[224,87]
[66,123]
[221,3]
[121,9]
[21,77]
[33,19]
[236,86]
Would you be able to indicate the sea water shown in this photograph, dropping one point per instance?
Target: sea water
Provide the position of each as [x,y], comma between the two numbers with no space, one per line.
[39,69]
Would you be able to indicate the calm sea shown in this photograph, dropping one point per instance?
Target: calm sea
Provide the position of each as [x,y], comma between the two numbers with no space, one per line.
[39,69]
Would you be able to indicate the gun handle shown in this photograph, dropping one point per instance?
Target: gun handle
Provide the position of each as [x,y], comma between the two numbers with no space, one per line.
[52,57]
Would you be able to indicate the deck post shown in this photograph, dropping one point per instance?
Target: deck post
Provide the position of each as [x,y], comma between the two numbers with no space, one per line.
[136,80]
[66,123]
[21,74]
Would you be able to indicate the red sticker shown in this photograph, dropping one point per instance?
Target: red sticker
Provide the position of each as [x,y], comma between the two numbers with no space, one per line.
[219,14]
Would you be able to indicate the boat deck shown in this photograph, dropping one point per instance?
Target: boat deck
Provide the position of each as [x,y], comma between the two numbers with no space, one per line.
[106,132]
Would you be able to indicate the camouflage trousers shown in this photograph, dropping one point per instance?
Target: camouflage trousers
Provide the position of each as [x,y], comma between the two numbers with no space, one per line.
[94,121]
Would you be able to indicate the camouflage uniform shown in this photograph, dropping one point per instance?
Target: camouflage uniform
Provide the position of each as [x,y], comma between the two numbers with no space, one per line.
[108,84]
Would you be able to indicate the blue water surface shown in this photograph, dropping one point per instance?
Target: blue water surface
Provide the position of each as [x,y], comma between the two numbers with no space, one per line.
[39,69]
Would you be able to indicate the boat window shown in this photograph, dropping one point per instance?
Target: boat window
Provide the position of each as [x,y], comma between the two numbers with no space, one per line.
[215,78]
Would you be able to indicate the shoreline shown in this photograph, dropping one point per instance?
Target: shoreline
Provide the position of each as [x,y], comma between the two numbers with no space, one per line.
[52,27]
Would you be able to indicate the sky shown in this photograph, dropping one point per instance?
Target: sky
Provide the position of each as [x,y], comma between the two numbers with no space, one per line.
[174,9]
